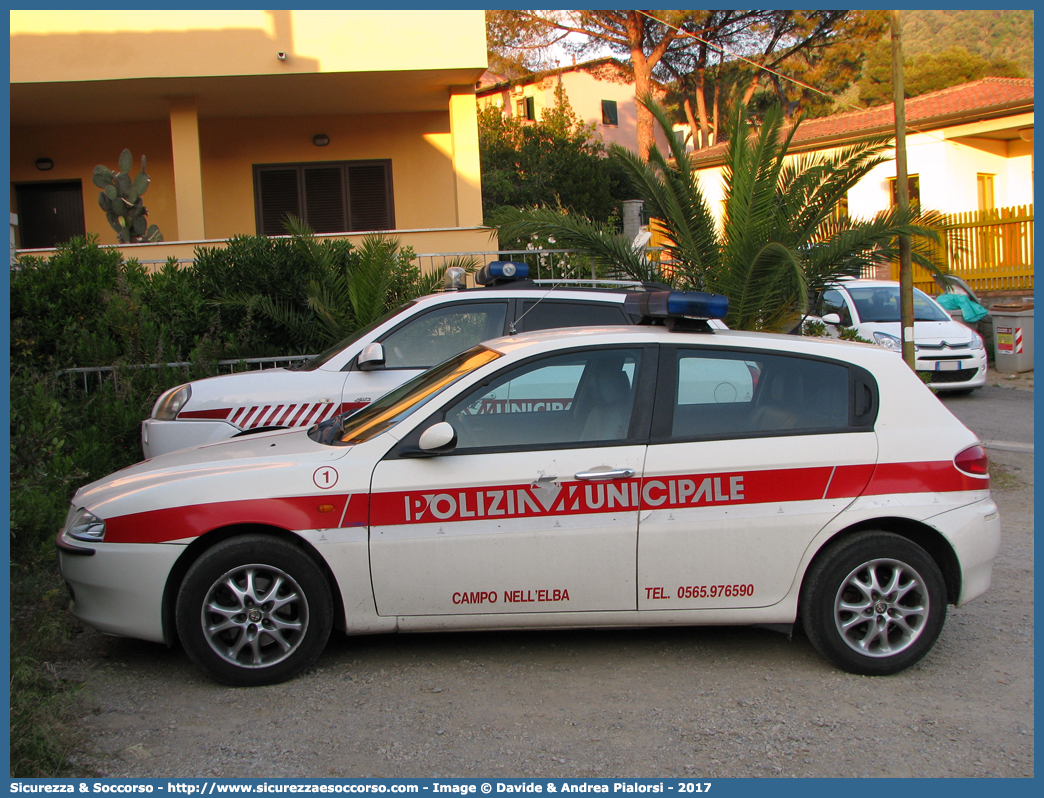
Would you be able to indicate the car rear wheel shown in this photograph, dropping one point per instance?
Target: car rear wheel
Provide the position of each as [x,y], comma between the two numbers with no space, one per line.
[874,604]
[254,610]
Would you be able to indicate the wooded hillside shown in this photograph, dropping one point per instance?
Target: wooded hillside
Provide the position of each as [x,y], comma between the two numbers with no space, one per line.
[991,34]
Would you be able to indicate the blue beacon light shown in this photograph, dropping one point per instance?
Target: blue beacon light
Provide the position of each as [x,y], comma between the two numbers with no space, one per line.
[501,271]
[678,305]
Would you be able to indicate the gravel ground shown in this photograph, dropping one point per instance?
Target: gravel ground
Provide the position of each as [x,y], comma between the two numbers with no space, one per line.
[708,702]
[1020,381]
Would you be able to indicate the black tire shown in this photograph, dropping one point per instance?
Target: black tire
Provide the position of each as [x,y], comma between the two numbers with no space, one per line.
[861,628]
[276,622]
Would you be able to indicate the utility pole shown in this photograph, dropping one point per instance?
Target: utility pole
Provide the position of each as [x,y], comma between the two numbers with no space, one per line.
[902,190]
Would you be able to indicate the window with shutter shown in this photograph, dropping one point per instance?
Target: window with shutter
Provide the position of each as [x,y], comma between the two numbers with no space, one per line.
[370,198]
[324,199]
[330,197]
[277,196]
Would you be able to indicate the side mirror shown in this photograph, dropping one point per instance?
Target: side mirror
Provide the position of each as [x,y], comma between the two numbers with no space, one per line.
[831,318]
[372,357]
[438,438]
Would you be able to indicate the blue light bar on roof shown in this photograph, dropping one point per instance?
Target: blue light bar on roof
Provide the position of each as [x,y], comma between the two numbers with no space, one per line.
[498,271]
[677,304]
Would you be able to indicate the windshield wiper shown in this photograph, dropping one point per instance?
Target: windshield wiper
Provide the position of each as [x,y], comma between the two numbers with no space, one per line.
[321,432]
[336,428]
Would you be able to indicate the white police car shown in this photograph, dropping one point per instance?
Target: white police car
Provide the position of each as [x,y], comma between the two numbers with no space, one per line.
[952,353]
[370,363]
[640,475]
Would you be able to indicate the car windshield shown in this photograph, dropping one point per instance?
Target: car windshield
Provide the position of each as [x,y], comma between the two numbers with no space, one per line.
[400,403]
[881,304]
[318,360]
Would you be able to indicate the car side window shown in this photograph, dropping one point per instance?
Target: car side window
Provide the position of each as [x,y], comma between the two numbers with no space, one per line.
[562,400]
[546,314]
[754,394]
[832,301]
[442,333]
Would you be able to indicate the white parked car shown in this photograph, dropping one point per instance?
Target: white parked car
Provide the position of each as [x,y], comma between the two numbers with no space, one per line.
[615,476]
[951,352]
[370,363]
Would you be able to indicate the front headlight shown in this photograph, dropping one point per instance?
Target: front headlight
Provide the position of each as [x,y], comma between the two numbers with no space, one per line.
[890,342]
[84,525]
[170,403]
[976,341]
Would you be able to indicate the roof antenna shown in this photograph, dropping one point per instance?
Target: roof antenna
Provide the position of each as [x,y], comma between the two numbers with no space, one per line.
[511,326]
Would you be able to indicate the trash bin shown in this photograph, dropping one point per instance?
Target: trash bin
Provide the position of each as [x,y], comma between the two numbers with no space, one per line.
[1013,336]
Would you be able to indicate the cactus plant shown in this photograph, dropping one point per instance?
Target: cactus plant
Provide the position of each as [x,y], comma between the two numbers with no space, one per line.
[120,198]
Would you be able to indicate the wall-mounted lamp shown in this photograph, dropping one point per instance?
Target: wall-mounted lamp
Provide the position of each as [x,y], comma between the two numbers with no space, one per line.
[1026,134]
[44,164]
[281,56]
[320,139]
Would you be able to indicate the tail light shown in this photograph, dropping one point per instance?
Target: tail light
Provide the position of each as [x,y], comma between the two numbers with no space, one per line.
[974,461]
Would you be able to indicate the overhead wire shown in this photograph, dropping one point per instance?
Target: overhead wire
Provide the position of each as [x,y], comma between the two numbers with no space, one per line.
[724,51]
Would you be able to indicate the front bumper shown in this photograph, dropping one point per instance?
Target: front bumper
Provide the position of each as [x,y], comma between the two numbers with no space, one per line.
[118,589]
[953,373]
[159,436]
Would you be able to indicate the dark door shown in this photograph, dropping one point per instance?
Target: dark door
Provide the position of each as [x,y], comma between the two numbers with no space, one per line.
[49,213]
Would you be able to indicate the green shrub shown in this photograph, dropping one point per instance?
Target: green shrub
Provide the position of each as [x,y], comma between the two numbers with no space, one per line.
[86,306]
[852,334]
[63,437]
[305,292]
[56,303]
[43,705]
[815,329]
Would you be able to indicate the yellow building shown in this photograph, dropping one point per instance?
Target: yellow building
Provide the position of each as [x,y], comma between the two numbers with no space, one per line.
[354,120]
[969,148]
[600,92]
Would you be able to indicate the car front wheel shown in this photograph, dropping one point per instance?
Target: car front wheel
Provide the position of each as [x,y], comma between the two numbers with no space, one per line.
[874,604]
[254,610]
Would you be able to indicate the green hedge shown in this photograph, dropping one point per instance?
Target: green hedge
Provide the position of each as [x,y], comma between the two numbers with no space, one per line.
[86,306]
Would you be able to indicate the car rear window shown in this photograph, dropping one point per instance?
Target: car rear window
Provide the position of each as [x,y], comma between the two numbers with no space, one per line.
[741,394]
[548,314]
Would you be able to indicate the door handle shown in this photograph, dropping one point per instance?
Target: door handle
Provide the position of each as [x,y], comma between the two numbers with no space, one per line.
[608,473]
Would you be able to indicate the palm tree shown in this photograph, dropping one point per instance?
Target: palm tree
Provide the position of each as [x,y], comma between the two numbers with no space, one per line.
[780,239]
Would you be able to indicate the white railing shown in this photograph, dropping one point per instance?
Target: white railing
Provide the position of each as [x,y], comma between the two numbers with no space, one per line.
[551,264]
[248,364]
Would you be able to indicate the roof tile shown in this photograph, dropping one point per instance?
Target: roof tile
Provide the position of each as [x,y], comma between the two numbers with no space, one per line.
[971,99]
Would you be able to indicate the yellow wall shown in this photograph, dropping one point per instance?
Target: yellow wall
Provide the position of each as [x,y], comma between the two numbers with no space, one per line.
[211,100]
[585,92]
[52,45]
[419,146]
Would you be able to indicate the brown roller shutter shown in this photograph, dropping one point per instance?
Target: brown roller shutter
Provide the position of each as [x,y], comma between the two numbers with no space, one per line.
[330,197]
[277,196]
[324,199]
